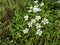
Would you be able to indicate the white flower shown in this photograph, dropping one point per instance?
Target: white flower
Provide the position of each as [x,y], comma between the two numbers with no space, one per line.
[38,18]
[30,10]
[29,24]
[39,32]
[33,21]
[42,4]
[36,1]
[38,25]
[45,21]
[25,31]
[26,17]
[30,7]
[36,9]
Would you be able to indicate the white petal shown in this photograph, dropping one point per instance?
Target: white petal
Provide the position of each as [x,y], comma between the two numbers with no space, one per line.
[37,18]
[29,10]
[33,21]
[36,1]
[38,25]
[42,4]
[31,7]
[45,21]
[29,24]
[25,31]
[26,17]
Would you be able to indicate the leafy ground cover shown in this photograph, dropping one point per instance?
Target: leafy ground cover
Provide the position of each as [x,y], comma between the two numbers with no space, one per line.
[29,22]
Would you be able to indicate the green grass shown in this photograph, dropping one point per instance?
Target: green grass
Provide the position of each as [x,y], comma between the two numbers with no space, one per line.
[11,29]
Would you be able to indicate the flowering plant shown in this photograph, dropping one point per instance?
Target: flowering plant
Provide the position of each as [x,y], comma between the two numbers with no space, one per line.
[29,22]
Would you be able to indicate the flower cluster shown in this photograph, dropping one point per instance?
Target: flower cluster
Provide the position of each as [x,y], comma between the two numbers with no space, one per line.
[37,25]
[34,22]
[36,7]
